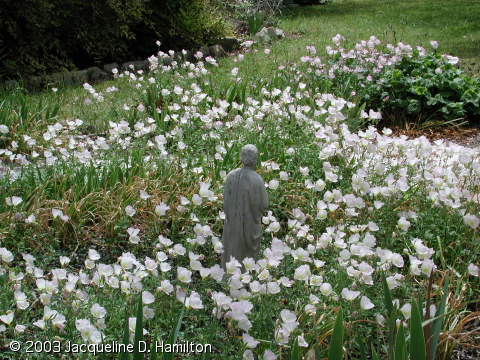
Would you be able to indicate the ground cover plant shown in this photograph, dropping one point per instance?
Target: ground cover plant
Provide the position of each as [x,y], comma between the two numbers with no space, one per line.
[116,192]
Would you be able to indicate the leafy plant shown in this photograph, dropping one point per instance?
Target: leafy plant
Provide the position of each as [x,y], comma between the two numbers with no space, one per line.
[426,84]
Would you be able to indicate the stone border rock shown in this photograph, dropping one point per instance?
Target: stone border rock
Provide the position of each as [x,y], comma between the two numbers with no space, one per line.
[221,49]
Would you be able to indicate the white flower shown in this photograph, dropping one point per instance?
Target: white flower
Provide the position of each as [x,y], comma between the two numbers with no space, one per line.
[147,298]
[273,184]
[326,289]
[8,318]
[4,129]
[13,201]
[184,275]
[350,294]
[144,195]
[406,310]
[365,303]
[471,220]
[98,311]
[130,211]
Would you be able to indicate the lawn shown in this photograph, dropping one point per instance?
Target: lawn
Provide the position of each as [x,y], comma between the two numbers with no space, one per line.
[112,193]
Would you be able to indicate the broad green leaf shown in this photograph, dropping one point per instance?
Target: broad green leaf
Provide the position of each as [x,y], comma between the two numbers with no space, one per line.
[400,345]
[335,352]
[417,340]
[387,295]
[296,351]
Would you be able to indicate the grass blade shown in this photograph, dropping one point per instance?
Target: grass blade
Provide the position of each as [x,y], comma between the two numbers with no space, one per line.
[137,355]
[296,351]
[438,322]
[172,338]
[417,340]
[387,295]
[400,345]
[374,353]
[125,340]
[335,352]
[361,345]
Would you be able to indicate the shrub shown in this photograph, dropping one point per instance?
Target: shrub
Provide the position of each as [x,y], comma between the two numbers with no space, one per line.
[41,36]
[428,85]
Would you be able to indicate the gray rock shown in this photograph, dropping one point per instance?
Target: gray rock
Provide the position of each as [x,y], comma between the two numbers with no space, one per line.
[217,51]
[188,56]
[262,36]
[269,34]
[244,201]
[94,73]
[280,33]
[10,84]
[229,44]
[167,61]
[109,67]
[129,65]
[80,76]
[272,33]
[204,50]
[141,65]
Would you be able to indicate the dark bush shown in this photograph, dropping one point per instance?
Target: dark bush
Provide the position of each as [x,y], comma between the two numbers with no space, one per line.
[42,36]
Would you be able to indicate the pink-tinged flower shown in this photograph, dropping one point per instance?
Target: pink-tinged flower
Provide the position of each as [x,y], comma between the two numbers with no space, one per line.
[268,355]
[248,355]
[194,301]
[434,44]
[249,341]
[266,51]
[473,270]
[144,195]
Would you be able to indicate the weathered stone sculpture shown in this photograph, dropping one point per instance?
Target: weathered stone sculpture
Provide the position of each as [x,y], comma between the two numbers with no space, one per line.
[244,201]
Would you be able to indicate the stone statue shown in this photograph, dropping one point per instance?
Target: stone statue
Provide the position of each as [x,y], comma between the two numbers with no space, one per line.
[244,202]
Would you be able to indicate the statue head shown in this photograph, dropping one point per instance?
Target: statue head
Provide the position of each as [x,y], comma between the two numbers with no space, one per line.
[249,155]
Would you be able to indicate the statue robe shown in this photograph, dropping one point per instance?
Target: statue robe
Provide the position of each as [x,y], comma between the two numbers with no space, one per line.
[244,202]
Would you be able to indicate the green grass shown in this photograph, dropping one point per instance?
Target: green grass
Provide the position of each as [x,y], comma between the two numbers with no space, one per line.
[454,24]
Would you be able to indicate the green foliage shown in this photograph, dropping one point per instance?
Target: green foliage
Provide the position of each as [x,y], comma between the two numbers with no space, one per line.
[428,85]
[254,22]
[41,36]
[335,352]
